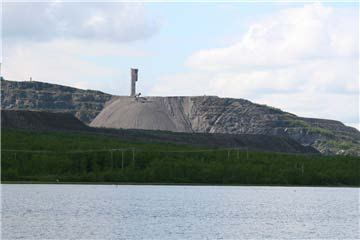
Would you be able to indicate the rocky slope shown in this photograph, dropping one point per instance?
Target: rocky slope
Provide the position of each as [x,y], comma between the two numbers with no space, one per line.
[210,114]
[205,114]
[84,104]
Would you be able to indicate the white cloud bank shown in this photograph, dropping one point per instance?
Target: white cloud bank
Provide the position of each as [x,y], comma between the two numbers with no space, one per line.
[121,22]
[288,38]
[60,42]
[303,60]
[64,62]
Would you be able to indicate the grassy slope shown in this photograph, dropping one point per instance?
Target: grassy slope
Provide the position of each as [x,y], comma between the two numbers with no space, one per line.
[162,163]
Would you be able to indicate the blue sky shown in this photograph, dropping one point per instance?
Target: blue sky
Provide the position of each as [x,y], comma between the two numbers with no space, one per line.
[300,57]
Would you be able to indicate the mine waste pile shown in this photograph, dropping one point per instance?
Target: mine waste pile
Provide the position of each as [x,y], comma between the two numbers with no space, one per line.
[172,117]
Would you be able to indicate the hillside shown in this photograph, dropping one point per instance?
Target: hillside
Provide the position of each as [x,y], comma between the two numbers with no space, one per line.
[39,122]
[84,104]
[205,114]
[212,114]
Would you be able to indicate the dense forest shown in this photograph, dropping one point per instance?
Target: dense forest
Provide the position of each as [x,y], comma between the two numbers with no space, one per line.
[71,157]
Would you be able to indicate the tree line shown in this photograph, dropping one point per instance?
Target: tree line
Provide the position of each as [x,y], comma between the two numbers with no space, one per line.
[26,157]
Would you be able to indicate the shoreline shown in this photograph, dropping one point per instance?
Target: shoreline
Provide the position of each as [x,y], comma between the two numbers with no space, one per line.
[173,184]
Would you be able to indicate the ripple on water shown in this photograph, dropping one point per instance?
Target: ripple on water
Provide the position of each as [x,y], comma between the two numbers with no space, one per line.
[178,212]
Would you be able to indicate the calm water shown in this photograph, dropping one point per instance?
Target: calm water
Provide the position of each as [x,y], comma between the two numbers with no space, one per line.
[178,212]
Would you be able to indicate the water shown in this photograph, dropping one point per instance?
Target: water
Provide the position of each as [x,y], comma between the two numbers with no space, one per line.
[178,212]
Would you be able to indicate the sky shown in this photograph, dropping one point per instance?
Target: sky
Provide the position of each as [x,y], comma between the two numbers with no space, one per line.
[300,57]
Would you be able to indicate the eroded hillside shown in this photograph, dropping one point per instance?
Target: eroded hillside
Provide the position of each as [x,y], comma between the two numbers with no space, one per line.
[204,114]
[210,114]
[84,104]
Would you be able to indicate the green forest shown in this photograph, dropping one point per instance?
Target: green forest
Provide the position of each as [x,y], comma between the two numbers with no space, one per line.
[70,157]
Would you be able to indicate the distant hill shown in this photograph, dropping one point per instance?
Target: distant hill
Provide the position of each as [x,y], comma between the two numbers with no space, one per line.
[84,104]
[203,114]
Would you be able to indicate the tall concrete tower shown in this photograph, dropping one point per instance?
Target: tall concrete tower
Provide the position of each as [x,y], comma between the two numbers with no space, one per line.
[134,78]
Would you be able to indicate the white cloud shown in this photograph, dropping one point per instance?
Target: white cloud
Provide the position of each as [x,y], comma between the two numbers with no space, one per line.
[303,60]
[68,62]
[121,22]
[290,37]
[62,43]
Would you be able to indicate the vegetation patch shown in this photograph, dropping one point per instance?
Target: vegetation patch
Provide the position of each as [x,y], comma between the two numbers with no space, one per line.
[345,145]
[320,130]
[65,157]
[291,121]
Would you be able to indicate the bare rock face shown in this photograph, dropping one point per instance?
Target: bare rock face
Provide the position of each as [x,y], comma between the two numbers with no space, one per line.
[203,114]
[209,114]
[84,104]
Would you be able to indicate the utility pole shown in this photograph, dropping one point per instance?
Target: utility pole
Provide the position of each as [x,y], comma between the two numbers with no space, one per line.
[122,160]
[133,156]
[302,169]
[112,159]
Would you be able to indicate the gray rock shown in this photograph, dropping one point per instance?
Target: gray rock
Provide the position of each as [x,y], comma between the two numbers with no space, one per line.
[84,104]
[210,114]
[203,114]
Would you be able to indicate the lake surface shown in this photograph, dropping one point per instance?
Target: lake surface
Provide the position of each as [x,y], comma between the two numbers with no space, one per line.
[178,212]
